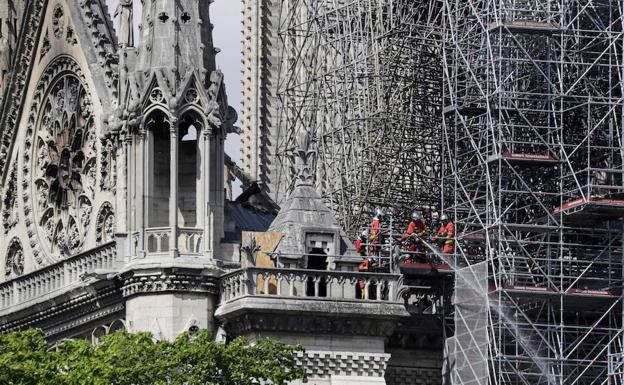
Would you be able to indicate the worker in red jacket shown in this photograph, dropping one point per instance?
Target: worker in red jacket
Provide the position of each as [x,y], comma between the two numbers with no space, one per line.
[446,234]
[416,230]
[361,242]
[375,232]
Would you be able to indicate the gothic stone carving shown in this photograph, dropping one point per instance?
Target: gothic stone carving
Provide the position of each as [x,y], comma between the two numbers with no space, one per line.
[168,282]
[96,20]
[124,12]
[45,45]
[58,21]
[105,225]
[9,202]
[325,363]
[60,157]
[290,323]
[108,165]
[14,264]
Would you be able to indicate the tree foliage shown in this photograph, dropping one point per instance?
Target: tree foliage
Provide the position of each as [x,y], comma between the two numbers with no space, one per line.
[124,358]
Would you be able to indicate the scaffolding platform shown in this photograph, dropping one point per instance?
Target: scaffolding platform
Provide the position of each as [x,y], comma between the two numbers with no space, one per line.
[528,158]
[592,208]
[420,268]
[525,27]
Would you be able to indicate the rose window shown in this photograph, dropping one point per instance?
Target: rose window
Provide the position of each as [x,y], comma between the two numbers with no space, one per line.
[64,166]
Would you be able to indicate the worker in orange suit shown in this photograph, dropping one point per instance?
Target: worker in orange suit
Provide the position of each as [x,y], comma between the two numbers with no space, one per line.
[375,232]
[360,243]
[416,230]
[446,234]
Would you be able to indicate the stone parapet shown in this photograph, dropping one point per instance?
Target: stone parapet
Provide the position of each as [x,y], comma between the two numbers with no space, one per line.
[55,279]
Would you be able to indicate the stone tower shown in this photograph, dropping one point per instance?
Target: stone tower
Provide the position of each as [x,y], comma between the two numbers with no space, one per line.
[173,116]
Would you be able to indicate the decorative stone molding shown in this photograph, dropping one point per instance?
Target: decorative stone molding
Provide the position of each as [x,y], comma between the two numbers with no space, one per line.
[58,20]
[317,324]
[108,164]
[413,376]
[325,363]
[15,95]
[9,201]
[169,282]
[98,25]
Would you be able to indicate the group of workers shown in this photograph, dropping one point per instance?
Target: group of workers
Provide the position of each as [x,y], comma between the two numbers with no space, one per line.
[414,242]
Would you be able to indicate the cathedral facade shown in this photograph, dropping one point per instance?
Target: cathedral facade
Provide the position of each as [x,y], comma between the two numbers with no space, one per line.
[115,215]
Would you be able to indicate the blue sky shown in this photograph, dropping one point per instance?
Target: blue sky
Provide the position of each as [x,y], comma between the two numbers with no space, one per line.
[226,17]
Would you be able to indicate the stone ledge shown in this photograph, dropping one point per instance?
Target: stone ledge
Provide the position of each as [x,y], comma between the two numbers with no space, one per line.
[296,315]
[299,305]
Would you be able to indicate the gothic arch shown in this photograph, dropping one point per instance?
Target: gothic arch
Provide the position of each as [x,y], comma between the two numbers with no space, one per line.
[14,263]
[105,224]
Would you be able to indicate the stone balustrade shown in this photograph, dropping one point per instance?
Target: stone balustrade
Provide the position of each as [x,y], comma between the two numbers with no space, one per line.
[159,240]
[56,277]
[322,284]
[190,240]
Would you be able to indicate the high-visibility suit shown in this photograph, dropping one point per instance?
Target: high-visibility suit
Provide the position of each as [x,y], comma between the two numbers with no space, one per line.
[418,228]
[375,236]
[364,266]
[445,235]
[375,229]
[415,230]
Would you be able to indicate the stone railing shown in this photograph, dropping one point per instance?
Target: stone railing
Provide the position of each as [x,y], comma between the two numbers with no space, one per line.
[157,239]
[190,240]
[56,277]
[323,284]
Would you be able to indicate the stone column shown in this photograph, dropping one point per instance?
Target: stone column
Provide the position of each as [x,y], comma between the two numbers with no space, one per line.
[140,196]
[173,190]
[207,183]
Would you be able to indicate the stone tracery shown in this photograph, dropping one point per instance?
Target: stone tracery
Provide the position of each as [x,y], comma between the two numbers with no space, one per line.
[63,163]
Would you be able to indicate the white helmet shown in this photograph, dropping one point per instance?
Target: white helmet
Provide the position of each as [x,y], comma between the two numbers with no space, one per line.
[364,233]
[379,213]
[444,217]
[416,216]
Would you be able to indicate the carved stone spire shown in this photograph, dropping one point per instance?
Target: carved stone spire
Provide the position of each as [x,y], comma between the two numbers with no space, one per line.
[306,154]
[176,39]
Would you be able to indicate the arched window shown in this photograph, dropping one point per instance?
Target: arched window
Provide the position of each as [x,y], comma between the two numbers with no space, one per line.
[159,178]
[188,170]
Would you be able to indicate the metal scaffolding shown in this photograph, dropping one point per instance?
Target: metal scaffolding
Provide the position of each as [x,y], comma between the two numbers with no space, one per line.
[534,168]
[365,77]
[516,106]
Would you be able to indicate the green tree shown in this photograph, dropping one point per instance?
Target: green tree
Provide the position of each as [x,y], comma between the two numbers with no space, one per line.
[124,358]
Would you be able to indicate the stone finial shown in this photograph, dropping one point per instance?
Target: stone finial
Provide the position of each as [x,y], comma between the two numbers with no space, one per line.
[251,250]
[306,152]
